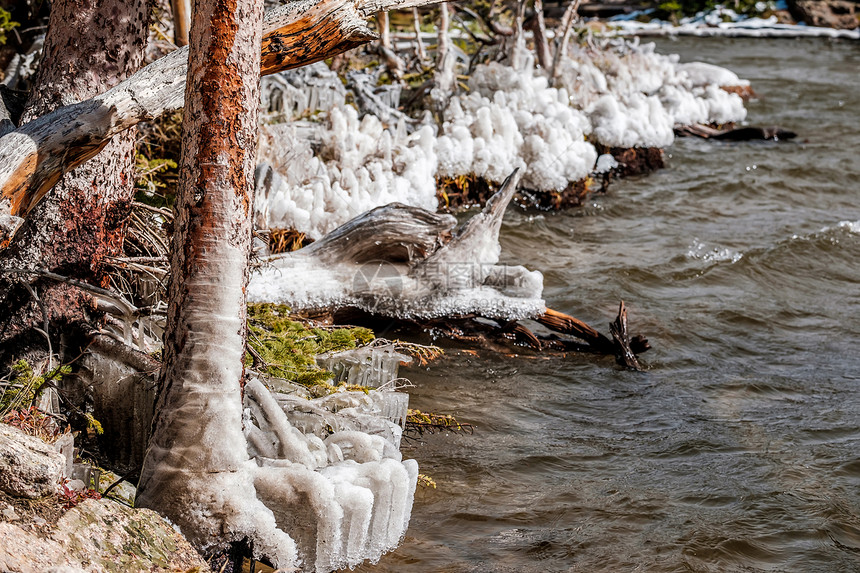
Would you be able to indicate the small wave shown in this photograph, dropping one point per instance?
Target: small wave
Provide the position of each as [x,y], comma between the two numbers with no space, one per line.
[700,250]
[852,227]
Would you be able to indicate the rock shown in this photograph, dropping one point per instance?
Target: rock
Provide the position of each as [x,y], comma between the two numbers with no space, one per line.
[28,466]
[76,485]
[839,14]
[100,536]
[65,445]
[25,552]
[9,514]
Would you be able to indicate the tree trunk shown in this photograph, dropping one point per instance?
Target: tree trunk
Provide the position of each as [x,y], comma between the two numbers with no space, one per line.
[195,470]
[89,48]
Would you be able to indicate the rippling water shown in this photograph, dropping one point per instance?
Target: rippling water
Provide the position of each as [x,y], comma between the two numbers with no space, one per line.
[739,449]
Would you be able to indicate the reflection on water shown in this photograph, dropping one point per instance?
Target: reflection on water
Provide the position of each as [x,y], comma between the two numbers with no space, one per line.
[739,450]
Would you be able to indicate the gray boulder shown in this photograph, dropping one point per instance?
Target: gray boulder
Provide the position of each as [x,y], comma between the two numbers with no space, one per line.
[28,466]
[99,536]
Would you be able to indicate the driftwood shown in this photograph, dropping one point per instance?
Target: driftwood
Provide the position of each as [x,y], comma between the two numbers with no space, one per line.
[404,267]
[625,355]
[731,133]
[34,156]
[393,233]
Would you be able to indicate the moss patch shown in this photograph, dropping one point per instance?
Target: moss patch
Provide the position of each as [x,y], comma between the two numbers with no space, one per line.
[287,347]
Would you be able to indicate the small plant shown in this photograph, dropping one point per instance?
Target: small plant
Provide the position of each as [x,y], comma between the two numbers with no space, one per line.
[6,24]
[150,174]
[34,422]
[419,423]
[426,481]
[69,498]
[21,386]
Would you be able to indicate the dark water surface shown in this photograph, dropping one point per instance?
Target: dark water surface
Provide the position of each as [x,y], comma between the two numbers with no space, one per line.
[739,449]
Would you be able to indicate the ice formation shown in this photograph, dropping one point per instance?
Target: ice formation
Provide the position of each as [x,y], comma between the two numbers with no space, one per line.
[512,118]
[337,485]
[345,167]
[634,97]
[620,94]
[458,278]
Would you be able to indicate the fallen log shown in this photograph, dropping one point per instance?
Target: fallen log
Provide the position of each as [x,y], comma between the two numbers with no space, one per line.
[404,267]
[35,156]
[731,133]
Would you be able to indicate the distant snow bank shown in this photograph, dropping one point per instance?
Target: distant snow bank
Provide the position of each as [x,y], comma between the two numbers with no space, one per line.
[710,25]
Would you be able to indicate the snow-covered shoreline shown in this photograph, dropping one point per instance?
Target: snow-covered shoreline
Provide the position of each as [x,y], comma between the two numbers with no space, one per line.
[618,94]
[750,28]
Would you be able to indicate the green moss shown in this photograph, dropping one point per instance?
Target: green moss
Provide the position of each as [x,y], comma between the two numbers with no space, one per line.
[287,347]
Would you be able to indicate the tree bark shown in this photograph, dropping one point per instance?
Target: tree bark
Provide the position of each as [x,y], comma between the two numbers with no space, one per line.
[90,47]
[33,157]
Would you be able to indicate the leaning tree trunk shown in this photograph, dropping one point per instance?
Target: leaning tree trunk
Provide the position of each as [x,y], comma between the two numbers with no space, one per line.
[195,471]
[90,47]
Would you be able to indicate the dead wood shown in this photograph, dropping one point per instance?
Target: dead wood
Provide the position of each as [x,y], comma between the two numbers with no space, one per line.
[565,324]
[731,133]
[393,62]
[624,353]
[570,15]
[181,21]
[394,233]
[538,27]
[34,156]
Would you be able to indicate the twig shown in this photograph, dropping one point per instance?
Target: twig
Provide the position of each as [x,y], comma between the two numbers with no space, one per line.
[44,331]
[127,307]
[624,354]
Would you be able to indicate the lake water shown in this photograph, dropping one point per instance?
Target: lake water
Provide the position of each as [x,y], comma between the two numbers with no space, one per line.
[739,448]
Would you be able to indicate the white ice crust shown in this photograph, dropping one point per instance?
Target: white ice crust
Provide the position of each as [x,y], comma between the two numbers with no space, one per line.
[620,94]
[342,497]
